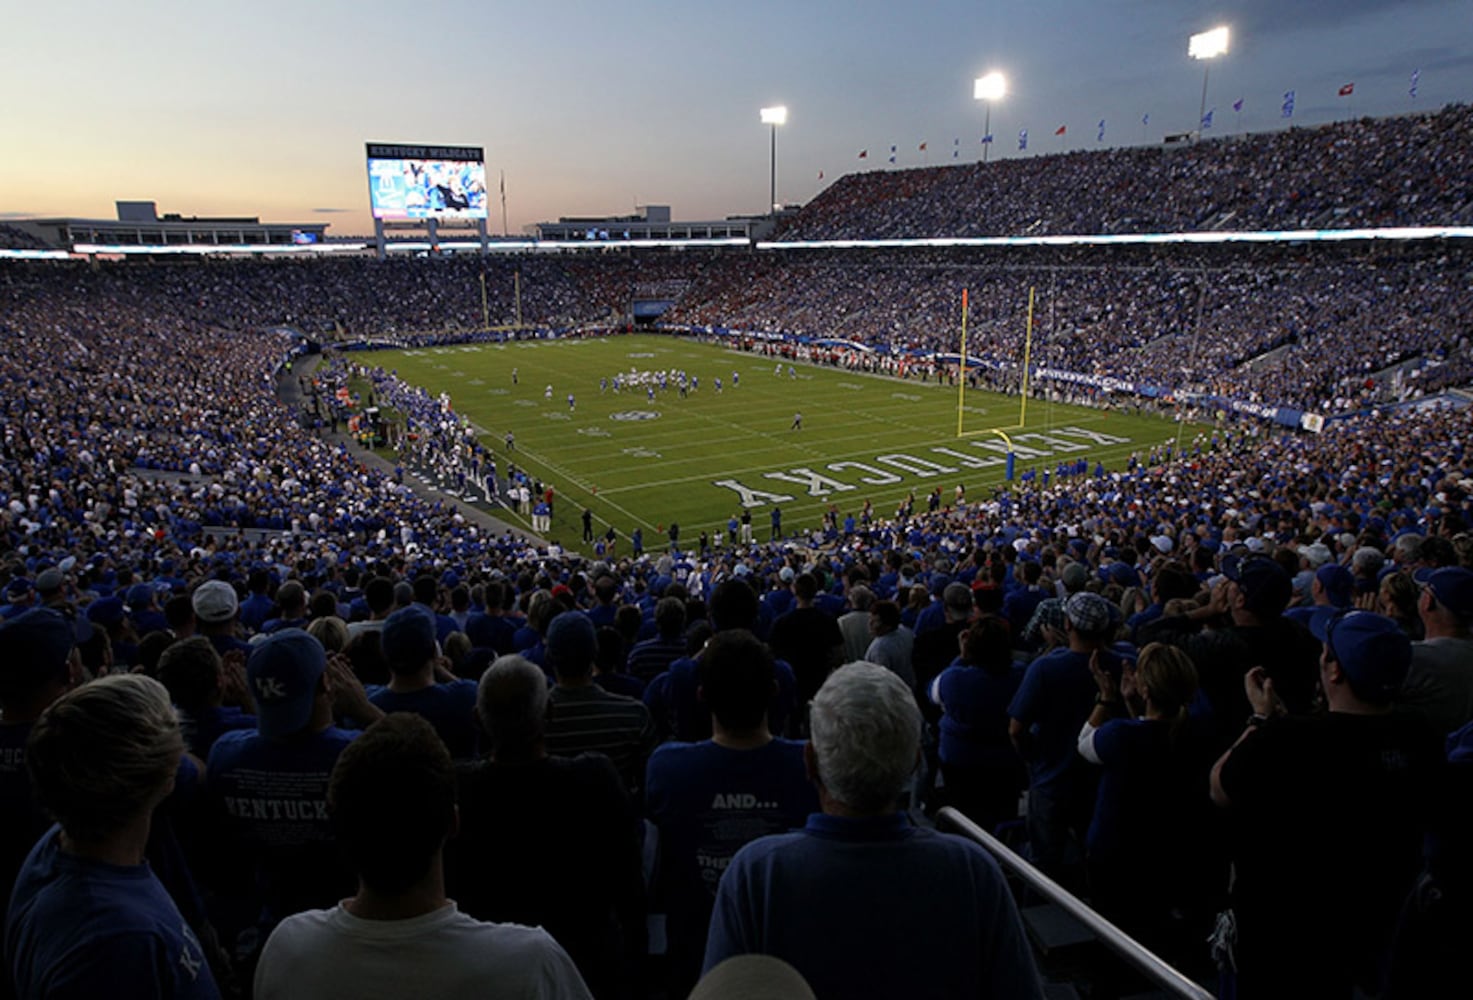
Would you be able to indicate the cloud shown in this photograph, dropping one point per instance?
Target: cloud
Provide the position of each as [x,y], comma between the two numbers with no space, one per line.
[1276,16]
[1264,17]
[331,211]
[1444,57]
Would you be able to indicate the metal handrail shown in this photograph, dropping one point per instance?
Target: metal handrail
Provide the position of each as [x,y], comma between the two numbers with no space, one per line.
[1122,944]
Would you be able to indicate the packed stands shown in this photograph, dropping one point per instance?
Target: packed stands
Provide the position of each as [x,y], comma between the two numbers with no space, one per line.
[1309,327]
[157,484]
[1367,173]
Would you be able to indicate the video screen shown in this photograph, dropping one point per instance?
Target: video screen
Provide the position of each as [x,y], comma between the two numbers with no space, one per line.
[426,182]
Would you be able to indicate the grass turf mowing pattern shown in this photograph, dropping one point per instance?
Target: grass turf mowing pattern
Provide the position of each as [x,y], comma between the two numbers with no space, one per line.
[633,469]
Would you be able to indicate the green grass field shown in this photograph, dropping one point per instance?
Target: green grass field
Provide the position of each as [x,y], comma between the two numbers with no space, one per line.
[696,460]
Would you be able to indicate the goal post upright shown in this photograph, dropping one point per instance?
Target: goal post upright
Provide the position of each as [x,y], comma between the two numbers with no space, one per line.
[1027,352]
[961,382]
[1024,384]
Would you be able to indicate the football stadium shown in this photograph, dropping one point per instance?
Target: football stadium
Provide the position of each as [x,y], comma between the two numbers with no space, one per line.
[1042,575]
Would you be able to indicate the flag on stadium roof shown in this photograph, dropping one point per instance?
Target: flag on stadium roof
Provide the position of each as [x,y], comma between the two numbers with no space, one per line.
[1238,104]
[987,138]
[956,147]
[892,154]
[863,153]
[1022,138]
[1416,78]
[1347,90]
[1207,118]
[820,175]
[1101,136]
[1061,130]
[1146,118]
[1288,111]
[923,147]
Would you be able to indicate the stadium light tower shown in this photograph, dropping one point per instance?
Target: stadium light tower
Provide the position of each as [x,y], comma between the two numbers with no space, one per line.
[1206,46]
[989,88]
[774,116]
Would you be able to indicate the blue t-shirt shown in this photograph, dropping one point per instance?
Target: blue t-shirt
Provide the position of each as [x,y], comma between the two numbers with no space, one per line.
[449,707]
[83,928]
[491,631]
[1054,701]
[1132,786]
[932,616]
[202,729]
[255,610]
[709,800]
[274,793]
[24,819]
[974,725]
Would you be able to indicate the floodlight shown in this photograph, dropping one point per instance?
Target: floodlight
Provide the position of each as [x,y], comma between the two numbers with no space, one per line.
[774,116]
[990,87]
[1208,44]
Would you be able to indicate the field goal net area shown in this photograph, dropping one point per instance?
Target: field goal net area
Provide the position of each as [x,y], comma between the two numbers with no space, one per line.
[988,420]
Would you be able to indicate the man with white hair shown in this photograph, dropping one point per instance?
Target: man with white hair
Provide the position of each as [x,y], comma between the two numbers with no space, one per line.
[809,897]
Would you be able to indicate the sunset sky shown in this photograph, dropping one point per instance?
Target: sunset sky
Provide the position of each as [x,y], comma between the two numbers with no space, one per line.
[593,106]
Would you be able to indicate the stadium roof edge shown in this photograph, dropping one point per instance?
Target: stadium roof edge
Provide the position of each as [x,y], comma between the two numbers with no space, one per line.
[1271,236]
[1403,233]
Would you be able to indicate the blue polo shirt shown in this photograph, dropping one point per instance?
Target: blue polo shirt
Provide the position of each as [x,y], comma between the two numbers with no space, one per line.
[78,927]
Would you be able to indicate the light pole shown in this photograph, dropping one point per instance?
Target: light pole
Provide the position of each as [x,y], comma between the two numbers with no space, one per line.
[989,88]
[774,116]
[1205,46]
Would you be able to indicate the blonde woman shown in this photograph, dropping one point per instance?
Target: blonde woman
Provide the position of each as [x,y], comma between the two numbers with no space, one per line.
[1152,811]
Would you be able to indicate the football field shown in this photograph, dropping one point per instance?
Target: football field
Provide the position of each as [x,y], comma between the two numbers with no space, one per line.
[699,459]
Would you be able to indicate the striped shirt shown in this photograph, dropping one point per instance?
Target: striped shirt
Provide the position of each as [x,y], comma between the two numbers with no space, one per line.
[649,659]
[591,720]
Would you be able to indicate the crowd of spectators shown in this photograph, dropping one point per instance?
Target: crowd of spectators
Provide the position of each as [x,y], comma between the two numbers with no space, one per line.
[172,532]
[1366,173]
[1327,330]
[1318,329]
[15,238]
[152,499]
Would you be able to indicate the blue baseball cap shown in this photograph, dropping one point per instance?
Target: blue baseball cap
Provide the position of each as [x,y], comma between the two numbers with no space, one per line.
[1372,650]
[408,638]
[283,671]
[1266,587]
[572,643]
[1451,586]
[1338,583]
[34,645]
[106,612]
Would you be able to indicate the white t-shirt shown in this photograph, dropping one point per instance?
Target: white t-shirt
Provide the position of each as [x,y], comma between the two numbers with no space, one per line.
[323,954]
